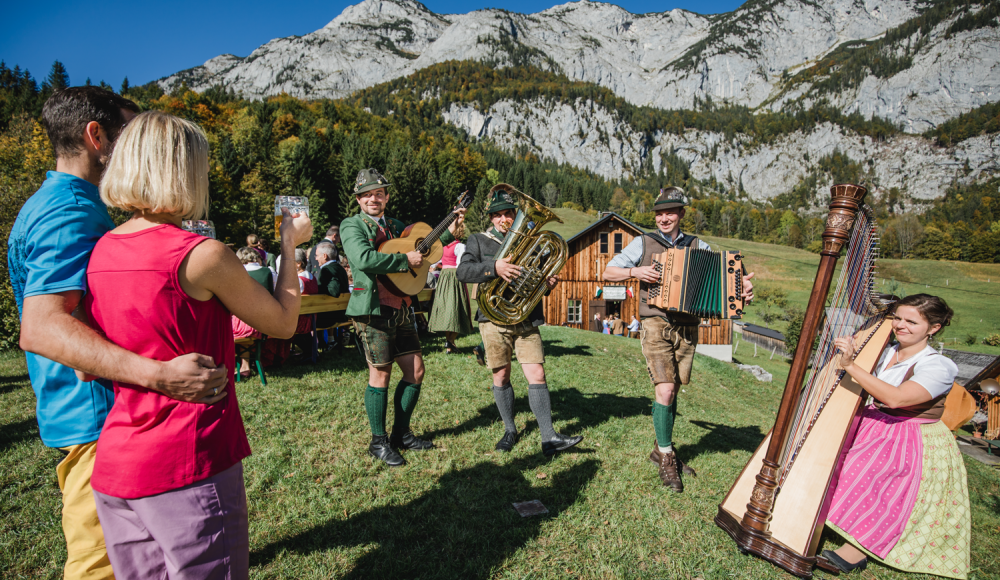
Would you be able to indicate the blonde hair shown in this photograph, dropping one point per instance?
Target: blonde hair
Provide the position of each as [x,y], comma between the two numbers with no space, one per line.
[159,165]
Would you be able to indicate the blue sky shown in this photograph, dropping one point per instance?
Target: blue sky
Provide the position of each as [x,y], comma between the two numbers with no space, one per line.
[114,39]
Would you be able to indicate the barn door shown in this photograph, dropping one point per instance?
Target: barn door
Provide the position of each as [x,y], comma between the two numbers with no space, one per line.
[596,307]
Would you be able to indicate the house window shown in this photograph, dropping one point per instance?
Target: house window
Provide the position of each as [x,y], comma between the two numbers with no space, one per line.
[604,243]
[574,311]
[618,243]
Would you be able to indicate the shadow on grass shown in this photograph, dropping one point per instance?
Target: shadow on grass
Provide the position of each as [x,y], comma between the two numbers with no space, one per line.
[13,433]
[553,348]
[723,439]
[568,404]
[14,382]
[464,528]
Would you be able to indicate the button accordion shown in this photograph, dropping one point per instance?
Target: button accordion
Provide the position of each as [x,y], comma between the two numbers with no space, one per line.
[704,283]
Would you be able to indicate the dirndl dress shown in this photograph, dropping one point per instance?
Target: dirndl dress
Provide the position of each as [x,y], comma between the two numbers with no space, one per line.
[903,496]
[451,311]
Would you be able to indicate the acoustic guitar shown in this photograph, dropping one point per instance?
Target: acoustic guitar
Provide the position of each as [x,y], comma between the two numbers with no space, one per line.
[421,238]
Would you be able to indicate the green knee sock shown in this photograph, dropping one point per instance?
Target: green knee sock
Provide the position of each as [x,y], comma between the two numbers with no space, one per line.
[404,402]
[663,423]
[376,404]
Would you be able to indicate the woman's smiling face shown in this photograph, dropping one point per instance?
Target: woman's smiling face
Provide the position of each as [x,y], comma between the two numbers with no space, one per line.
[910,326]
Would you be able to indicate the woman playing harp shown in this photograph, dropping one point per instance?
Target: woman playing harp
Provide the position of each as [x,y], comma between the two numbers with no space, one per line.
[902,496]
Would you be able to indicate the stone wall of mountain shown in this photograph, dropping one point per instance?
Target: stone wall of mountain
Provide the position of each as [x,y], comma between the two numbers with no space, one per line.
[916,63]
[665,60]
[586,135]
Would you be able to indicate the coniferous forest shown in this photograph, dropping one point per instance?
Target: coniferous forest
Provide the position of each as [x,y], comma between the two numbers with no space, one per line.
[289,146]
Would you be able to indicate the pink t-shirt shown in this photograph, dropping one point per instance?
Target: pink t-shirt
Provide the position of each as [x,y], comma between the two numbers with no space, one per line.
[152,443]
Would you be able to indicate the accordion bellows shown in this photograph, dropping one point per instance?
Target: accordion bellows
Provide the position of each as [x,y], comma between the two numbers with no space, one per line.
[704,283]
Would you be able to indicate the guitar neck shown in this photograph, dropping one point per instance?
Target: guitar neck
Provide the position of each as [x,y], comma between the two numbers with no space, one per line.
[432,237]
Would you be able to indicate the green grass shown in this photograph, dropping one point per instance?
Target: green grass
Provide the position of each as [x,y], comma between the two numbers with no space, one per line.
[972,290]
[321,508]
[573,222]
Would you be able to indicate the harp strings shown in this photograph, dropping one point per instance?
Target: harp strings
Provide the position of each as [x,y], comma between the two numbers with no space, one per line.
[851,309]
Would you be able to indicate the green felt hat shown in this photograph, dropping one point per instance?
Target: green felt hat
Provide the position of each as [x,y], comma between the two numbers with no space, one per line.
[369,179]
[669,198]
[501,198]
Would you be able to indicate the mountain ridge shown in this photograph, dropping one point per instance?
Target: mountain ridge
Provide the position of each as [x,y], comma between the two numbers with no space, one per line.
[783,56]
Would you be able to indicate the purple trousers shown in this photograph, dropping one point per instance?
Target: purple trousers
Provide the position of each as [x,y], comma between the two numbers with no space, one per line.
[195,532]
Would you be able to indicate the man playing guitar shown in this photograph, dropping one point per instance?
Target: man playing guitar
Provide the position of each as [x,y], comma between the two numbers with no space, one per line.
[383,320]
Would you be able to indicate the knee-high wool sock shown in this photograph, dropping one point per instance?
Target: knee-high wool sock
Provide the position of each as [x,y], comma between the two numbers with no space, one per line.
[404,402]
[541,406]
[504,397]
[663,423]
[376,404]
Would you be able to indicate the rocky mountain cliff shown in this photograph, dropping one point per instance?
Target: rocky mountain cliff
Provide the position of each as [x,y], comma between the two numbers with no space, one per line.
[569,133]
[665,60]
[916,64]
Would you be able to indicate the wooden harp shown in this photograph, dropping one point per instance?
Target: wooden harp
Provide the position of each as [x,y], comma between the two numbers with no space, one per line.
[778,506]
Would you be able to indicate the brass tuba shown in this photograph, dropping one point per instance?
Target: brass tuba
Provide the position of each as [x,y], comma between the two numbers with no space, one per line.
[540,256]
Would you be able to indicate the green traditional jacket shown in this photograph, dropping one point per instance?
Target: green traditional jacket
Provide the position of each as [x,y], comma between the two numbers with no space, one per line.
[357,233]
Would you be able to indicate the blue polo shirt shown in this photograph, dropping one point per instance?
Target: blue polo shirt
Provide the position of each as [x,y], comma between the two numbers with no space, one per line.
[48,251]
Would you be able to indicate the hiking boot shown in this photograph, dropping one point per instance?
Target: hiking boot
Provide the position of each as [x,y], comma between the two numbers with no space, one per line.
[668,471]
[379,448]
[685,468]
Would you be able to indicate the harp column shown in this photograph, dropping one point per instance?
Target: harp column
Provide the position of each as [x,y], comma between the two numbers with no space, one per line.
[844,205]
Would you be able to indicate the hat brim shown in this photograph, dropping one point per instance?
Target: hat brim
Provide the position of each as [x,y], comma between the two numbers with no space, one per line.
[669,204]
[372,186]
[500,207]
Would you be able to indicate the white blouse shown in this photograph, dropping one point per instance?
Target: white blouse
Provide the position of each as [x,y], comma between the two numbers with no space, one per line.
[934,372]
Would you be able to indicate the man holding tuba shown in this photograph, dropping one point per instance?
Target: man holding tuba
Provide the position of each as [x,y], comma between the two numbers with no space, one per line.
[478,266]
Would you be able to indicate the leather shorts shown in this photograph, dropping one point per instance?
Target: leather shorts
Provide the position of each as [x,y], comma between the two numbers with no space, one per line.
[668,349]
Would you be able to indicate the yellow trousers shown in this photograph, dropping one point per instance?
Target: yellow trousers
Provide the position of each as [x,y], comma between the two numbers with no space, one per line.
[86,556]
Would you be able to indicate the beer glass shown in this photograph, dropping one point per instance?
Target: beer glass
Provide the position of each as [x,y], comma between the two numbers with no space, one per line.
[295,204]
[201,227]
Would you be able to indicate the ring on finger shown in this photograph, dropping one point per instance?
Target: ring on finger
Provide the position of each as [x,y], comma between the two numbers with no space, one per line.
[215,391]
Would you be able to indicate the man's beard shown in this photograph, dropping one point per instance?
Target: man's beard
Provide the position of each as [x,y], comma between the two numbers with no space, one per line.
[365,209]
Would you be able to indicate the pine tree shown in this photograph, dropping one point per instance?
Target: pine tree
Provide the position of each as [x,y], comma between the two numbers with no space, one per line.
[124,87]
[58,78]
[476,220]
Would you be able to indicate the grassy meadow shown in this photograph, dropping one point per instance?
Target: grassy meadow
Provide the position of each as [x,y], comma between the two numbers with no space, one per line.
[321,508]
[972,290]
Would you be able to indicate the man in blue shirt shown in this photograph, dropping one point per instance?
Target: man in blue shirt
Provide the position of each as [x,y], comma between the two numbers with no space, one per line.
[48,251]
[668,338]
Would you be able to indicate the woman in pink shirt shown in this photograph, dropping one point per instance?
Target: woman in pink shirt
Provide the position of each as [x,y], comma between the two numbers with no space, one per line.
[168,475]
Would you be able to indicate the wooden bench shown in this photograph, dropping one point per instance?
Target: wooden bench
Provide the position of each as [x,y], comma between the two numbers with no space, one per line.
[319,303]
[250,348]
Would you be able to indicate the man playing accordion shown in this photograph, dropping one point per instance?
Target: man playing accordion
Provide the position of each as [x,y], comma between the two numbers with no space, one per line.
[668,338]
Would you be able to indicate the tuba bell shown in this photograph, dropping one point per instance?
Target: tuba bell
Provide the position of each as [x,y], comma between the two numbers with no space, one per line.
[539,254]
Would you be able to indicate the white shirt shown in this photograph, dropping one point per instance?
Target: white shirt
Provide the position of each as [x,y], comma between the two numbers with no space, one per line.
[631,256]
[934,372]
[634,325]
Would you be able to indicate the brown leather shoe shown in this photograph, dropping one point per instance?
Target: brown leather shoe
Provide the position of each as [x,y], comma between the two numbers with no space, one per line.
[669,475]
[685,468]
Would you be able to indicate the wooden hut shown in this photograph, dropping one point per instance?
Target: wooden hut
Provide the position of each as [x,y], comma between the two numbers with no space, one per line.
[770,340]
[575,300]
